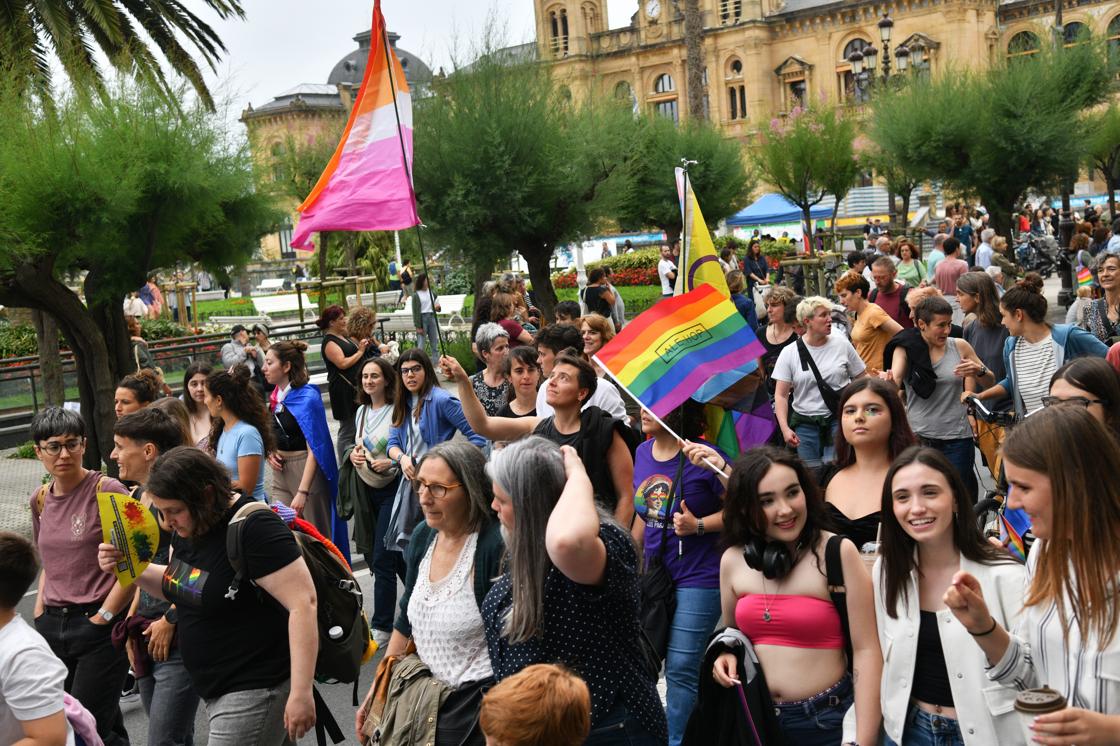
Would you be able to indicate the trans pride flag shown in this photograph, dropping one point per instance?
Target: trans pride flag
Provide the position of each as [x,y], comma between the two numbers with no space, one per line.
[366,184]
[664,354]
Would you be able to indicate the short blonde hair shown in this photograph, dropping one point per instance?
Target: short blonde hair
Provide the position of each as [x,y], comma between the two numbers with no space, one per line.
[542,705]
[809,306]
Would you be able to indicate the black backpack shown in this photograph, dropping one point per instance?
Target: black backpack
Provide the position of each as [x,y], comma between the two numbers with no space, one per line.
[344,634]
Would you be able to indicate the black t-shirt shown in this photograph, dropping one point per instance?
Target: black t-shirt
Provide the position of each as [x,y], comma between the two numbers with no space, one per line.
[231,645]
[592,442]
[342,385]
[286,430]
[593,297]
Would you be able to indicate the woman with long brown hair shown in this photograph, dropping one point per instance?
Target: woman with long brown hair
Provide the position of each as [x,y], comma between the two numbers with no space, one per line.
[240,435]
[1063,467]
[930,533]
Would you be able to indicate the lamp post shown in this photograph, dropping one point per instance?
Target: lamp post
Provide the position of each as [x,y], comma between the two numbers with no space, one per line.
[1065,225]
[886,25]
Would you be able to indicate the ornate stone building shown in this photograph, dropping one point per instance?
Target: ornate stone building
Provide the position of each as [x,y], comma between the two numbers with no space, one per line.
[763,57]
[308,110]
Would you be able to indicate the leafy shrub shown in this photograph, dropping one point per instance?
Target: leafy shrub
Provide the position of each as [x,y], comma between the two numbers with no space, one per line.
[633,269]
[25,450]
[18,340]
[152,329]
[458,279]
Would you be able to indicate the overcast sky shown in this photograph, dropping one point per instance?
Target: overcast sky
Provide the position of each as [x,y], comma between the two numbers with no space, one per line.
[282,43]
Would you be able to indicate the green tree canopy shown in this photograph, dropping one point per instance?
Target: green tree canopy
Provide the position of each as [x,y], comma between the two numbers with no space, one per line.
[123,30]
[108,189]
[802,155]
[1103,127]
[647,194]
[504,163]
[1000,133]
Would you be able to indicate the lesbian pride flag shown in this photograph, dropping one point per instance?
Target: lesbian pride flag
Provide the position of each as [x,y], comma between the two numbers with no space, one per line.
[366,184]
[667,352]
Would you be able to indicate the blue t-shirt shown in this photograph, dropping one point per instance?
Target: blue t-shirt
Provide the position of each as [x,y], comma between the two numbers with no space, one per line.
[242,440]
[692,561]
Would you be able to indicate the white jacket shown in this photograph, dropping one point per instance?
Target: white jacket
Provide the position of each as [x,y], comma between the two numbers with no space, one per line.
[985,710]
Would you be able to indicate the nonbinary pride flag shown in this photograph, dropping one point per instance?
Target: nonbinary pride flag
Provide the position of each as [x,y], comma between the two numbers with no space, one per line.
[664,354]
[366,185]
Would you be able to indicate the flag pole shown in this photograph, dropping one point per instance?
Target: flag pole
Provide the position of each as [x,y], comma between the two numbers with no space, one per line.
[408,175]
[656,419]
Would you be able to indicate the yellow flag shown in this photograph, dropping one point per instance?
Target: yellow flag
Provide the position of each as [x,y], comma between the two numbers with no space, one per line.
[699,263]
[132,529]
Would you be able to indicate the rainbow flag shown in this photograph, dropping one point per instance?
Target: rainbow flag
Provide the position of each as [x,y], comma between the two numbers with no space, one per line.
[1013,527]
[667,352]
[1084,277]
[366,186]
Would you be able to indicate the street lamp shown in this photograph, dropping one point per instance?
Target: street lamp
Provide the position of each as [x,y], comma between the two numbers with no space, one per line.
[886,25]
[902,59]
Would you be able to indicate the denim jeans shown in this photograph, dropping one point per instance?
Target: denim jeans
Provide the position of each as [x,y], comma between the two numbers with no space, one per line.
[924,729]
[961,453]
[619,728]
[384,564]
[250,718]
[810,450]
[170,701]
[429,339]
[95,670]
[696,616]
[818,720]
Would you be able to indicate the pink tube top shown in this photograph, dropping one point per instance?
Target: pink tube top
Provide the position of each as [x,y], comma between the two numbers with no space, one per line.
[795,621]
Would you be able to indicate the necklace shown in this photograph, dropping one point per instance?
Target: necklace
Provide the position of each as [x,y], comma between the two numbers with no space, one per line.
[766,601]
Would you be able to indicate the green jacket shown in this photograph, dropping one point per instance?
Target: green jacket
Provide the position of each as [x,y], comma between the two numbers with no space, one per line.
[487,560]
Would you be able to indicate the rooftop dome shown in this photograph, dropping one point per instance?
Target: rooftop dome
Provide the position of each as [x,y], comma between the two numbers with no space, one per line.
[351,67]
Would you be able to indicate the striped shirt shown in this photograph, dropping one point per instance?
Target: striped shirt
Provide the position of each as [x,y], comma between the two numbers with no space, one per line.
[1034,365]
[1078,668]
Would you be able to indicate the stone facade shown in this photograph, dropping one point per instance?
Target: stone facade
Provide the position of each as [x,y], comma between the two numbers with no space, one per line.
[764,56]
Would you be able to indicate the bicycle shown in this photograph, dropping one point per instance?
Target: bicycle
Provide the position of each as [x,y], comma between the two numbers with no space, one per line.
[995,519]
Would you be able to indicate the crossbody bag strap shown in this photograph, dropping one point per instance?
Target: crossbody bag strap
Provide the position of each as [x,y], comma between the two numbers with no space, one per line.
[837,590]
[807,363]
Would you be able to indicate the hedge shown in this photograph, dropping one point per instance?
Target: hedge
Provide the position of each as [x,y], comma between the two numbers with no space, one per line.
[633,269]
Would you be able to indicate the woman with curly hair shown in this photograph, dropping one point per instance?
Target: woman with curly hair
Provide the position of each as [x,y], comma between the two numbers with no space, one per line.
[136,391]
[240,435]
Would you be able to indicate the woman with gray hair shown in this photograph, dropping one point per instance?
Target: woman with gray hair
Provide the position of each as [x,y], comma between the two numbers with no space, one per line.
[490,383]
[452,558]
[569,593]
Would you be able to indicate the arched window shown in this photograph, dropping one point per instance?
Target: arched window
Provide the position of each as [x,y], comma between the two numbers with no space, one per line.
[664,102]
[554,31]
[1114,39]
[735,68]
[849,91]
[664,84]
[564,31]
[1074,32]
[1023,44]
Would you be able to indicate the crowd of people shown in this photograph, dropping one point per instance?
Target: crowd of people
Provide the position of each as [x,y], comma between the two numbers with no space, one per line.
[833,586]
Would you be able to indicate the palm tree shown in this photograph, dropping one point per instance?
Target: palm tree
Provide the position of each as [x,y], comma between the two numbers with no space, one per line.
[123,30]
[694,58]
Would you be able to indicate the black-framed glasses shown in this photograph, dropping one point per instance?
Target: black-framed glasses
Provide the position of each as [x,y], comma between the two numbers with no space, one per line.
[412,370]
[1081,401]
[54,447]
[435,489]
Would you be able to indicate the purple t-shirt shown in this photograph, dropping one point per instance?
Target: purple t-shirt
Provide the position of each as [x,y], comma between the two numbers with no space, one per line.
[692,561]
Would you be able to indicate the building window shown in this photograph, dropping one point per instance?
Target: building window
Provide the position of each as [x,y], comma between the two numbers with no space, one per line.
[1074,33]
[796,93]
[849,91]
[730,11]
[667,109]
[735,69]
[664,84]
[737,101]
[1114,39]
[1022,45]
[558,29]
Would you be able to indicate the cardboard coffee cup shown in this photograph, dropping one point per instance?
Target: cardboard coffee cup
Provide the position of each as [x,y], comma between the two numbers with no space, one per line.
[1034,702]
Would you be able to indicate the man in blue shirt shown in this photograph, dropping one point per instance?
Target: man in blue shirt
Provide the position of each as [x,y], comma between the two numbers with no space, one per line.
[962,231]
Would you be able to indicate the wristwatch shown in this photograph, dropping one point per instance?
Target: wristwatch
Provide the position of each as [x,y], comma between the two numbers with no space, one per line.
[105,614]
[699,526]
[983,370]
[171,616]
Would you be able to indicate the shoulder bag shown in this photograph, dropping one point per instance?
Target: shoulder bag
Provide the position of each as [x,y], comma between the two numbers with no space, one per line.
[831,398]
[659,593]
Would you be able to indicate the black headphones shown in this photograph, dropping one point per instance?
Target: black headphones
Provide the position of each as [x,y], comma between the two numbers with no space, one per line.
[771,558]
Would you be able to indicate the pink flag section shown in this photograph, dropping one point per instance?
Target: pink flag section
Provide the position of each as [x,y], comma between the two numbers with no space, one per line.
[366,184]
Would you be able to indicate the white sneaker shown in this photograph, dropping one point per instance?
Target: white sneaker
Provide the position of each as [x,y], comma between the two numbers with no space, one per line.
[381,637]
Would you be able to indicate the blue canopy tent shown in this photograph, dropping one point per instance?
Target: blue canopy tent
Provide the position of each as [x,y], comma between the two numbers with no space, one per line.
[773,209]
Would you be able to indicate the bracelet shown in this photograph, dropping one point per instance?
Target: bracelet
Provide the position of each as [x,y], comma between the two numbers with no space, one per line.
[302,492]
[989,631]
[699,526]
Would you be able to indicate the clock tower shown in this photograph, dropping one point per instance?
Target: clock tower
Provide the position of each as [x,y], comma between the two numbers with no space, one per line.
[564,27]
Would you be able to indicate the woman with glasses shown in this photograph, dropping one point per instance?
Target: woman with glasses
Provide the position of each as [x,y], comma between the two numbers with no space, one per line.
[1088,382]
[424,415]
[77,603]
[453,558]
[305,473]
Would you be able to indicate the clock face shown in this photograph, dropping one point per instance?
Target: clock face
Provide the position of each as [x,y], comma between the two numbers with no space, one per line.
[653,8]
